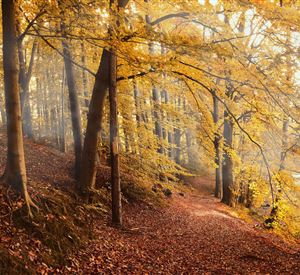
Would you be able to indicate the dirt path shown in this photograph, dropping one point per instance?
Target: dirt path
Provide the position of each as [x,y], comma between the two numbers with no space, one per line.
[195,235]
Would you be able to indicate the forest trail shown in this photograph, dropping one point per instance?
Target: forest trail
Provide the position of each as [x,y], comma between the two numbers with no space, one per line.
[195,235]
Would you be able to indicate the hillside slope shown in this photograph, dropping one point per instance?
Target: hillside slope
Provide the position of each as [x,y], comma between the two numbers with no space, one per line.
[194,234]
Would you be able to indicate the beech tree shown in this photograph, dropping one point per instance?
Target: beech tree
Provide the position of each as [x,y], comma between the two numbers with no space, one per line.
[95,116]
[15,172]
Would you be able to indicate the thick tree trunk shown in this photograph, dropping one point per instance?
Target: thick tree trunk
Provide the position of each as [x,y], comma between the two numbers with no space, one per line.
[217,150]
[94,125]
[15,166]
[227,168]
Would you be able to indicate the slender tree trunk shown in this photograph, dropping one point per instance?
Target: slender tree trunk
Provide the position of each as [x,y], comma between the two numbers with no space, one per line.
[217,150]
[155,97]
[73,96]
[227,168]
[74,107]
[114,145]
[39,109]
[170,133]
[188,138]
[84,76]
[137,104]
[156,117]
[62,128]
[24,80]
[177,138]
[47,129]
[15,166]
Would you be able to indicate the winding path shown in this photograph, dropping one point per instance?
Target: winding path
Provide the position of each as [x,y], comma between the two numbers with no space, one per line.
[195,235]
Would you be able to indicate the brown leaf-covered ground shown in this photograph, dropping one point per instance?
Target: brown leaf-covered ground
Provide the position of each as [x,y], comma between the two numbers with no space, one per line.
[193,234]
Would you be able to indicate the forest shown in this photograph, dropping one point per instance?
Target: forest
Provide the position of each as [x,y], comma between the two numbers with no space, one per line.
[150,137]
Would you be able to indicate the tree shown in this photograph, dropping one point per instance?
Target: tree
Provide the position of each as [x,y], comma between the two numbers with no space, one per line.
[15,166]
[73,95]
[95,116]
[217,138]
[114,130]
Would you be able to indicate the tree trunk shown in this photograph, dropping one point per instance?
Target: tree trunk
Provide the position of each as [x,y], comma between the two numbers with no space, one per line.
[188,138]
[170,133]
[46,105]
[3,116]
[137,103]
[15,166]
[177,137]
[217,150]
[73,96]
[24,80]
[84,76]
[155,97]
[227,168]
[114,145]
[74,107]
[94,124]
[283,154]
[156,118]
[62,124]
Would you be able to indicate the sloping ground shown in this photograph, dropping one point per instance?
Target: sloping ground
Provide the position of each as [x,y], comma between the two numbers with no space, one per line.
[27,246]
[195,234]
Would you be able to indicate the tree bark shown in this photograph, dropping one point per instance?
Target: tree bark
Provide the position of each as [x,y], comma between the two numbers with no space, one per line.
[62,119]
[84,76]
[15,165]
[156,117]
[114,145]
[94,124]
[217,150]
[155,97]
[74,107]
[24,80]
[3,116]
[177,137]
[227,168]
[170,134]
[73,97]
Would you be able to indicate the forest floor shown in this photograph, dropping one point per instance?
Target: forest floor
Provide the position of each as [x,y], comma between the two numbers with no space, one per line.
[193,233]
